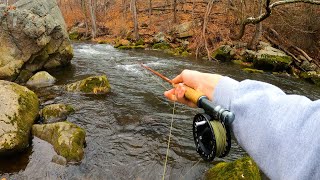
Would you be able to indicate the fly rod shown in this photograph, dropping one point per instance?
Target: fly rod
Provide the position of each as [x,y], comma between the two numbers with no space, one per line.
[211,130]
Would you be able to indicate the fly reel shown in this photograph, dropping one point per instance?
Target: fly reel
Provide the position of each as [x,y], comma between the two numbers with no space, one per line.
[211,134]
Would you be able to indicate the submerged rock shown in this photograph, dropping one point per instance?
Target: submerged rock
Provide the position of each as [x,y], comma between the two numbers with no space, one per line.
[67,139]
[41,79]
[55,113]
[33,37]
[91,85]
[244,168]
[18,110]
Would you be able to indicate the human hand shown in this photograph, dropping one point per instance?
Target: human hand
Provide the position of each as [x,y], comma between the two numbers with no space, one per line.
[203,82]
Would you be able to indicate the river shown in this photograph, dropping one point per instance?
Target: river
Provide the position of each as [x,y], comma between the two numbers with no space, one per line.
[127,130]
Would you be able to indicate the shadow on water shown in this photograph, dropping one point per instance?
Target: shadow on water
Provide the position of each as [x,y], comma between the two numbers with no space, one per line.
[127,130]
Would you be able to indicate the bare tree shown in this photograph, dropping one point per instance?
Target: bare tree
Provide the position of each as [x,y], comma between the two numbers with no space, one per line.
[258,30]
[203,38]
[174,11]
[93,6]
[263,16]
[150,10]
[135,18]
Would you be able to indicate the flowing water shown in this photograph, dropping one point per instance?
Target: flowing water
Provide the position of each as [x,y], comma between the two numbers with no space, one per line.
[127,130]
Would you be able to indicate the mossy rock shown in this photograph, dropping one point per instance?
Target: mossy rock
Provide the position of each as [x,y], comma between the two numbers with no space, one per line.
[74,35]
[90,85]
[139,42]
[272,62]
[41,79]
[55,113]
[224,53]
[244,168]
[250,70]
[313,76]
[67,139]
[131,47]
[161,46]
[18,111]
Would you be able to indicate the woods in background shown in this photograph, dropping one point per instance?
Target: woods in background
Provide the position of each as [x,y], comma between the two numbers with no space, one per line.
[292,22]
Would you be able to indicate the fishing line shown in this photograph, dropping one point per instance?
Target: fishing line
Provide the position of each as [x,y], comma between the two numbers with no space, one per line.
[181,177]
[169,139]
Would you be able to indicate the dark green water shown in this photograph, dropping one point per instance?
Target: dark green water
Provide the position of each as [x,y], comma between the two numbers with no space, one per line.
[127,130]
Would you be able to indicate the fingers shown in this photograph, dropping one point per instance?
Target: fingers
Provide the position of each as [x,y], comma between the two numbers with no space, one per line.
[177,94]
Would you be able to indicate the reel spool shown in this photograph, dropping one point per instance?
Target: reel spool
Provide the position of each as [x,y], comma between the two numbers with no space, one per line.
[212,137]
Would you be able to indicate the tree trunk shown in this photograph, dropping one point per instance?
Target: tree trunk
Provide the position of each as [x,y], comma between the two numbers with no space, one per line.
[150,11]
[174,11]
[92,7]
[135,19]
[84,11]
[258,31]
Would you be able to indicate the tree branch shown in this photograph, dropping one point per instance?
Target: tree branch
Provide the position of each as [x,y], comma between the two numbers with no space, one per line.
[261,17]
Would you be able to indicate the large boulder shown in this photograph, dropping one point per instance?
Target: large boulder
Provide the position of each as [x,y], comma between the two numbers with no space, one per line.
[90,85]
[312,76]
[18,110]
[68,139]
[268,58]
[33,36]
[185,29]
[244,168]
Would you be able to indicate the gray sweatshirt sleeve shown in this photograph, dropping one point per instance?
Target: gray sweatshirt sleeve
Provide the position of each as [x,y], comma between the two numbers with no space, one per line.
[280,132]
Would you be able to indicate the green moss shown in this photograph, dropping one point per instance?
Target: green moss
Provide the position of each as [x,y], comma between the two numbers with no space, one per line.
[184,54]
[56,112]
[244,168]
[67,139]
[250,70]
[312,76]
[27,113]
[139,42]
[223,53]
[74,35]
[272,62]
[161,46]
[131,47]
[94,84]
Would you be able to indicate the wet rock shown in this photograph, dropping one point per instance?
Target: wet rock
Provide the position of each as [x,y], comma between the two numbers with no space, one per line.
[41,79]
[59,160]
[306,65]
[244,168]
[33,37]
[91,85]
[67,139]
[55,113]
[224,53]
[313,76]
[18,110]
[272,59]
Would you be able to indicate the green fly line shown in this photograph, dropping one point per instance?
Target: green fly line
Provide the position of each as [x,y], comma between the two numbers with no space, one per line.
[220,135]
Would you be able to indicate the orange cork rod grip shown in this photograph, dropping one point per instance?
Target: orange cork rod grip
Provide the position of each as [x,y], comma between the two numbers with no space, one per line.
[191,94]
